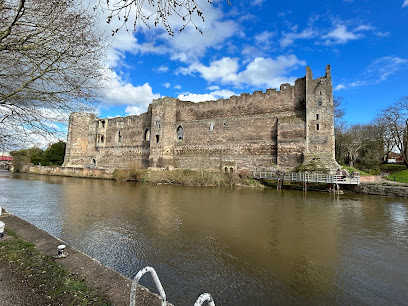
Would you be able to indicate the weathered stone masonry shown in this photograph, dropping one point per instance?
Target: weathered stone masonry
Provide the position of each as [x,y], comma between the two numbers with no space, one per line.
[275,130]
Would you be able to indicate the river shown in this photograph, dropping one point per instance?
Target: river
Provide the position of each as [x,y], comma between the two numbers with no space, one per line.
[243,246]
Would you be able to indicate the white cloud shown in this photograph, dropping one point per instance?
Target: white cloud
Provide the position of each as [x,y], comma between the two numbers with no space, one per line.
[340,35]
[339,87]
[167,85]
[364,27]
[214,95]
[405,3]
[118,92]
[265,72]
[162,68]
[289,38]
[223,93]
[177,86]
[196,97]
[264,38]
[213,87]
[134,110]
[382,68]
[224,70]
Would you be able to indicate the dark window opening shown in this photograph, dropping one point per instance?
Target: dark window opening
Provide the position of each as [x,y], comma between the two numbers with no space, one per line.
[226,169]
[157,138]
[93,161]
[319,103]
[102,138]
[317,127]
[225,124]
[180,133]
[119,136]
[317,116]
[147,135]
[103,123]
[231,170]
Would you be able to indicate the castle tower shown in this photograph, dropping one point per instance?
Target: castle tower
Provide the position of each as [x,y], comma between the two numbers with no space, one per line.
[163,132]
[320,119]
[81,140]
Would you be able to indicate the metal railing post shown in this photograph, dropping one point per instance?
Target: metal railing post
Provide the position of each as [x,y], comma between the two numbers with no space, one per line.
[156,281]
[204,297]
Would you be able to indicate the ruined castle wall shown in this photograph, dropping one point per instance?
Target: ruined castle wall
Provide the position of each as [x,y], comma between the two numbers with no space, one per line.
[125,142]
[237,133]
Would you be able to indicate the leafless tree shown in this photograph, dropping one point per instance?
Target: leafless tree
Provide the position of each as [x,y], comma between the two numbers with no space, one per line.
[51,60]
[159,11]
[395,118]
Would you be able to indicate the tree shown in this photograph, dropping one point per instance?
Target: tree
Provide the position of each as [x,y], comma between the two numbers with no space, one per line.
[395,119]
[141,11]
[55,153]
[339,125]
[51,61]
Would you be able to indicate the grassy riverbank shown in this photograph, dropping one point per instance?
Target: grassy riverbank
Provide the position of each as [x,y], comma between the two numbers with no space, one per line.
[42,272]
[186,177]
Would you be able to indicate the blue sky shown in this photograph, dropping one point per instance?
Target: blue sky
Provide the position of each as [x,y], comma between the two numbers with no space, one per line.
[248,47]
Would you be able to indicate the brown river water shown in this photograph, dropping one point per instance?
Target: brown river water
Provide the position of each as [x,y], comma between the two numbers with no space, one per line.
[243,246]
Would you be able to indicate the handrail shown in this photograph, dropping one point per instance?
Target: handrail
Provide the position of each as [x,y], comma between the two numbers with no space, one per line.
[308,177]
[156,281]
[204,297]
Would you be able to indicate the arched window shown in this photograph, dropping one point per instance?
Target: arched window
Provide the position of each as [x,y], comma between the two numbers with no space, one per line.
[147,135]
[157,138]
[180,133]
[93,161]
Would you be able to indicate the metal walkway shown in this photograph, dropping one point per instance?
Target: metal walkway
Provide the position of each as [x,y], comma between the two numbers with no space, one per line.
[308,177]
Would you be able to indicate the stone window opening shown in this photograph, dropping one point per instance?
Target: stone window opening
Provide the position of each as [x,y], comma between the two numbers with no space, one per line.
[225,125]
[147,135]
[211,127]
[320,103]
[231,170]
[180,133]
[93,161]
[158,124]
[157,138]
[317,127]
[284,86]
[317,116]
[102,138]
[226,169]
[102,122]
[320,93]
[119,136]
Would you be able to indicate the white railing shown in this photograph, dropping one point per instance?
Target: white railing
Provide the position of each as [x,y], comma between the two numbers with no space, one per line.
[201,299]
[308,177]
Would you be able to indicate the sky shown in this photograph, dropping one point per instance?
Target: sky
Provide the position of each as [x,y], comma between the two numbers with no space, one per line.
[255,45]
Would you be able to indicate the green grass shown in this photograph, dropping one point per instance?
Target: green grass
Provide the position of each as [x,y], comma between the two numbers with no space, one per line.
[352,170]
[392,168]
[43,272]
[401,176]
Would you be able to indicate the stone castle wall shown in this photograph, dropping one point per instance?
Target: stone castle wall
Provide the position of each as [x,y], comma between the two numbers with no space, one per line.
[265,130]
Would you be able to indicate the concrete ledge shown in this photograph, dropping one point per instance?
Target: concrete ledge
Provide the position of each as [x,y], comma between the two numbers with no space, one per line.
[105,281]
[393,190]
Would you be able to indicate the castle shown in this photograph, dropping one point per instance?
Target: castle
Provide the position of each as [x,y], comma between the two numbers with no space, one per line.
[276,130]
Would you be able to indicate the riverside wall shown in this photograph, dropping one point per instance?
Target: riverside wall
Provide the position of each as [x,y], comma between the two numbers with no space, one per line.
[105,281]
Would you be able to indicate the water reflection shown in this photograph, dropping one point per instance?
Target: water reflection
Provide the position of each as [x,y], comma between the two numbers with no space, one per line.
[245,247]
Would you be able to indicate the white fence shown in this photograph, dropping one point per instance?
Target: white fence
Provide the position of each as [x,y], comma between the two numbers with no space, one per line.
[308,177]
